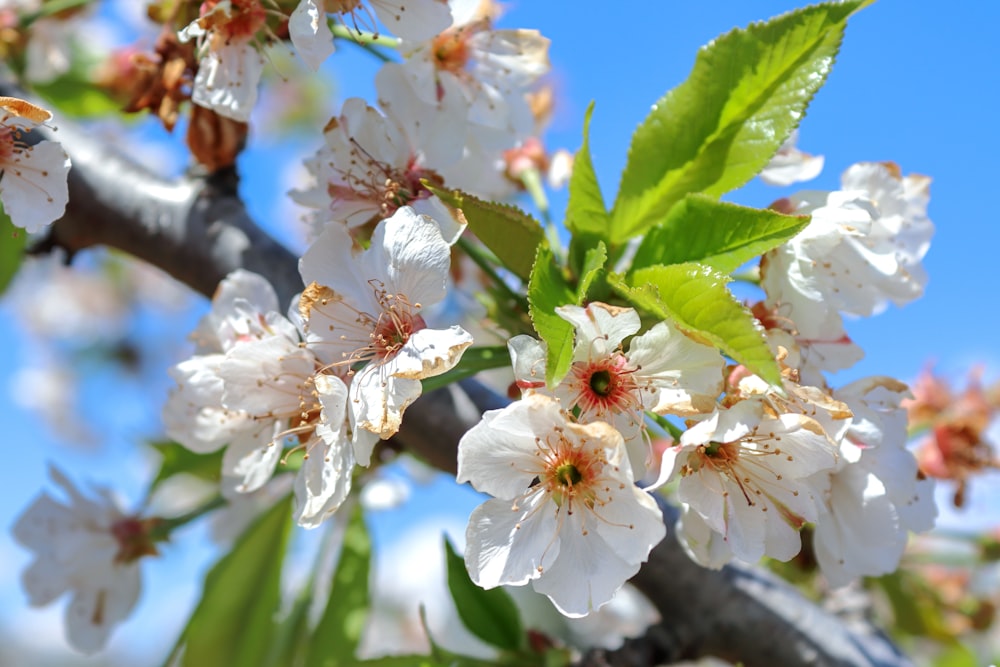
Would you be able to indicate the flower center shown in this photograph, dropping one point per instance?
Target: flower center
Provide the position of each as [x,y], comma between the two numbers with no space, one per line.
[568,475]
[385,186]
[8,144]
[450,50]
[605,385]
[394,328]
[134,538]
[600,382]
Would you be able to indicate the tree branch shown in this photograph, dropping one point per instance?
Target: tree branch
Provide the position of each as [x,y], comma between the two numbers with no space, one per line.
[197,230]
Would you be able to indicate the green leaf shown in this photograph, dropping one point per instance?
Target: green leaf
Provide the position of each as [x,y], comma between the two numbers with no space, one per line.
[585,210]
[695,297]
[957,655]
[292,633]
[547,290]
[917,607]
[593,264]
[721,235]
[177,459]
[491,614]
[508,231]
[74,94]
[335,639]
[233,623]
[474,360]
[746,93]
[12,242]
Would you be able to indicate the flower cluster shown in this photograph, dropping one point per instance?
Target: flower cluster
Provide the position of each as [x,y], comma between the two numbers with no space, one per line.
[647,382]
[330,379]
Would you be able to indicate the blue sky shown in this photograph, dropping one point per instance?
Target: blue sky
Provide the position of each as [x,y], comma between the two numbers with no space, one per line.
[915,83]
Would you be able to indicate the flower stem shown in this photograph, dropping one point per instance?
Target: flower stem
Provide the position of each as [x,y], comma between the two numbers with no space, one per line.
[667,425]
[341,31]
[165,527]
[51,8]
[532,181]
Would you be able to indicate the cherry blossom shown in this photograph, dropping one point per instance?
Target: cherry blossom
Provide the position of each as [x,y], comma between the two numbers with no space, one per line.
[877,494]
[488,70]
[862,249]
[255,387]
[89,548]
[230,66]
[747,473]
[32,177]
[663,371]
[370,165]
[363,313]
[565,515]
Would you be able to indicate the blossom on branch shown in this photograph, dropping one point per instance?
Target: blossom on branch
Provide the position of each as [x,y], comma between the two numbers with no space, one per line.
[748,475]
[372,164]
[876,493]
[230,64]
[566,514]
[254,388]
[33,185]
[363,314]
[663,371]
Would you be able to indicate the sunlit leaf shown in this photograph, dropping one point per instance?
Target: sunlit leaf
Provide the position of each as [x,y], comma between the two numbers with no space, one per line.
[696,298]
[718,234]
[586,213]
[547,290]
[746,93]
[593,265]
[233,623]
[506,230]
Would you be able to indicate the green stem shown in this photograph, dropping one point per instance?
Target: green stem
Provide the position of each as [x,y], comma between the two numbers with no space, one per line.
[667,425]
[532,181]
[50,8]
[341,31]
[165,527]
[477,255]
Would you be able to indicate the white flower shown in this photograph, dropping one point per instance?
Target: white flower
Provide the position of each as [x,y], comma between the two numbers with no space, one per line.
[490,69]
[663,371]
[255,388]
[877,494]
[370,166]
[362,313]
[862,248]
[811,333]
[32,178]
[566,514]
[230,65]
[746,473]
[243,310]
[790,165]
[88,548]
